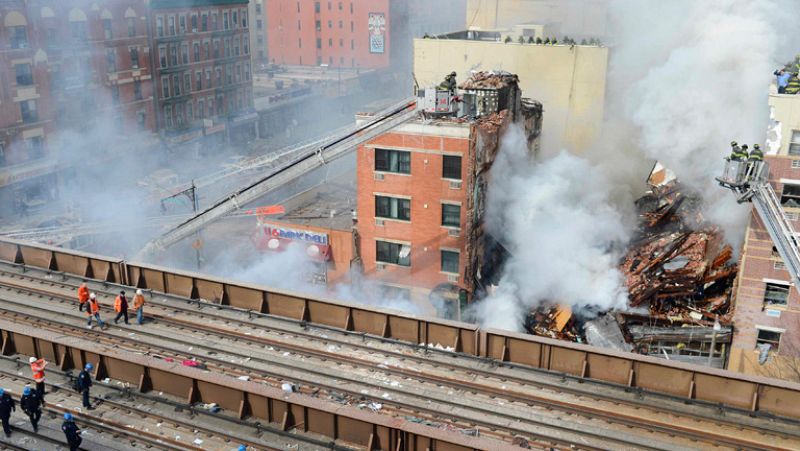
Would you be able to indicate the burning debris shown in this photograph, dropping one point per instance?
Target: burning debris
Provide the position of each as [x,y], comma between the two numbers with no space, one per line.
[553,322]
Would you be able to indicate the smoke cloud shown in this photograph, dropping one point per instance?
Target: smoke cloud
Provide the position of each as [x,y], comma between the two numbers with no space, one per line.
[563,230]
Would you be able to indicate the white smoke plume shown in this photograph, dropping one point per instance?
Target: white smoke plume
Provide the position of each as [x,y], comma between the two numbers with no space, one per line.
[562,229]
[685,78]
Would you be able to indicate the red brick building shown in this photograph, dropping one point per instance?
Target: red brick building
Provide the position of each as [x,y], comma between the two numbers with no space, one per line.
[421,193]
[350,33]
[202,69]
[67,65]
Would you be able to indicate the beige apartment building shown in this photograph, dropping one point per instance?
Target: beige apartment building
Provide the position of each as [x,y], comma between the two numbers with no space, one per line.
[582,18]
[569,81]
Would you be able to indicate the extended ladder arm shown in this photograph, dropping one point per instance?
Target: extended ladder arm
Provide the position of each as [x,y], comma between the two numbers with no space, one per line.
[750,181]
[310,160]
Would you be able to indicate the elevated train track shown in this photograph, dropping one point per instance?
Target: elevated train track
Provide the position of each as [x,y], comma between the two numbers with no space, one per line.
[509,402]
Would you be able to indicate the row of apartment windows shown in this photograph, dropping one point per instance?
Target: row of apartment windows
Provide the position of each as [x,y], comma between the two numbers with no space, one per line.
[330,44]
[400,254]
[111,59]
[185,113]
[179,24]
[18,35]
[399,161]
[226,48]
[318,25]
[318,7]
[182,84]
[387,207]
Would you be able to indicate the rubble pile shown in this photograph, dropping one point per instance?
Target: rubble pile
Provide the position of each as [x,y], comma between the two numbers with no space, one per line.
[489,80]
[553,322]
[678,264]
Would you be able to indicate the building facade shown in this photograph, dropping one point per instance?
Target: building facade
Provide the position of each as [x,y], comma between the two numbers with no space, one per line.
[570,81]
[766,318]
[421,199]
[68,66]
[352,33]
[203,70]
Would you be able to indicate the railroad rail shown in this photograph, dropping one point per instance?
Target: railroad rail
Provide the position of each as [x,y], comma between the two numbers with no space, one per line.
[718,430]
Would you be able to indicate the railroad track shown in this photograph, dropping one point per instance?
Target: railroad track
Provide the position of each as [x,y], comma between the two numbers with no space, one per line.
[712,435]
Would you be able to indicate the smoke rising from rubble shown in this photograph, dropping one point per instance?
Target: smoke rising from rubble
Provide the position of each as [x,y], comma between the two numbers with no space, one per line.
[563,230]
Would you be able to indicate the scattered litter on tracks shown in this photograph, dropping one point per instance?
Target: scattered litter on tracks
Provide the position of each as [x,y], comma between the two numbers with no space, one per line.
[244,378]
[287,387]
[197,441]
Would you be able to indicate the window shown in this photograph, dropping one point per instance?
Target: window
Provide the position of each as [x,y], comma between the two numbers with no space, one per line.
[216,48]
[168,116]
[258,7]
[234,19]
[319,43]
[24,74]
[176,85]
[185,53]
[207,49]
[35,147]
[78,31]
[189,111]
[179,115]
[394,253]
[196,51]
[210,105]
[225,23]
[19,37]
[340,6]
[134,58]
[260,24]
[162,55]
[330,24]
[352,26]
[28,110]
[341,42]
[115,94]
[246,45]
[316,7]
[171,25]
[165,87]
[451,167]
[182,22]
[768,337]
[111,60]
[160,26]
[187,83]
[351,8]
[198,81]
[790,197]
[204,22]
[173,55]
[776,294]
[352,44]
[107,33]
[393,161]
[236,46]
[141,119]
[214,24]
[227,47]
[244,19]
[318,25]
[392,208]
[341,24]
[194,23]
[451,215]
[247,71]
[132,27]
[794,145]
[137,89]
[52,40]
[201,109]
[450,261]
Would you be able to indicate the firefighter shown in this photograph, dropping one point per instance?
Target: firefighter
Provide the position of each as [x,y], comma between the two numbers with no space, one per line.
[736,152]
[449,83]
[72,432]
[138,306]
[6,407]
[31,404]
[85,383]
[37,368]
[756,155]
[93,310]
[83,296]
[793,87]
[121,307]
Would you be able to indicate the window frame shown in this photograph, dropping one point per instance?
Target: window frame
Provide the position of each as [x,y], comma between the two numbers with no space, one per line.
[385,205]
[448,169]
[445,215]
[794,146]
[403,161]
[774,344]
[776,288]
[393,258]
[442,261]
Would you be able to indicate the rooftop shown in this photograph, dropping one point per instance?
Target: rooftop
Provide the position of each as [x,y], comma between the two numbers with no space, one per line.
[327,206]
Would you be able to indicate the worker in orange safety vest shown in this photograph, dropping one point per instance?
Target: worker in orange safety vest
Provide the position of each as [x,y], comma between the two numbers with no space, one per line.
[93,310]
[121,307]
[37,368]
[83,296]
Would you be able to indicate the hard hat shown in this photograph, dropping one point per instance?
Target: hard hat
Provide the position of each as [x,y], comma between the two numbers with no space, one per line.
[242,448]
[122,292]
[744,146]
[138,291]
[92,296]
[89,366]
[756,146]
[453,73]
[2,390]
[733,143]
[32,359]
[26,390]
[68,416]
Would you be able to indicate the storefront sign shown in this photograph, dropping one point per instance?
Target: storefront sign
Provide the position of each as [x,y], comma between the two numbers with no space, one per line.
[275,238]
[26,171]
[295,235]
[377,32]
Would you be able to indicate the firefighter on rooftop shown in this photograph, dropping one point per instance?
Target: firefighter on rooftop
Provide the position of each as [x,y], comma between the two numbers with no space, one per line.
[736,152]
[449,83]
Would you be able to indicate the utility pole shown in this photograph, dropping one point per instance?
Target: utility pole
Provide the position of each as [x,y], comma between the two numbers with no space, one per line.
[198,242]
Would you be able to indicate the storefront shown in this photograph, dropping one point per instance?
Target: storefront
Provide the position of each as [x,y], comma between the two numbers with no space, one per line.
[277,238]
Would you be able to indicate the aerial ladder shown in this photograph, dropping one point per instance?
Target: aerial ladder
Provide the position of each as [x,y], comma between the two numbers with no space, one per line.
[309,159]
[750,181]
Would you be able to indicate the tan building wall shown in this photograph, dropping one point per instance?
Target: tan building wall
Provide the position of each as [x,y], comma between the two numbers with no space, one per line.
[785,109]
[570,81]
[583,17]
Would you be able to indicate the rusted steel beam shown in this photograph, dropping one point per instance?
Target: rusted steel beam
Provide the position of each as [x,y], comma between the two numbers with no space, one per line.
[338,422]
